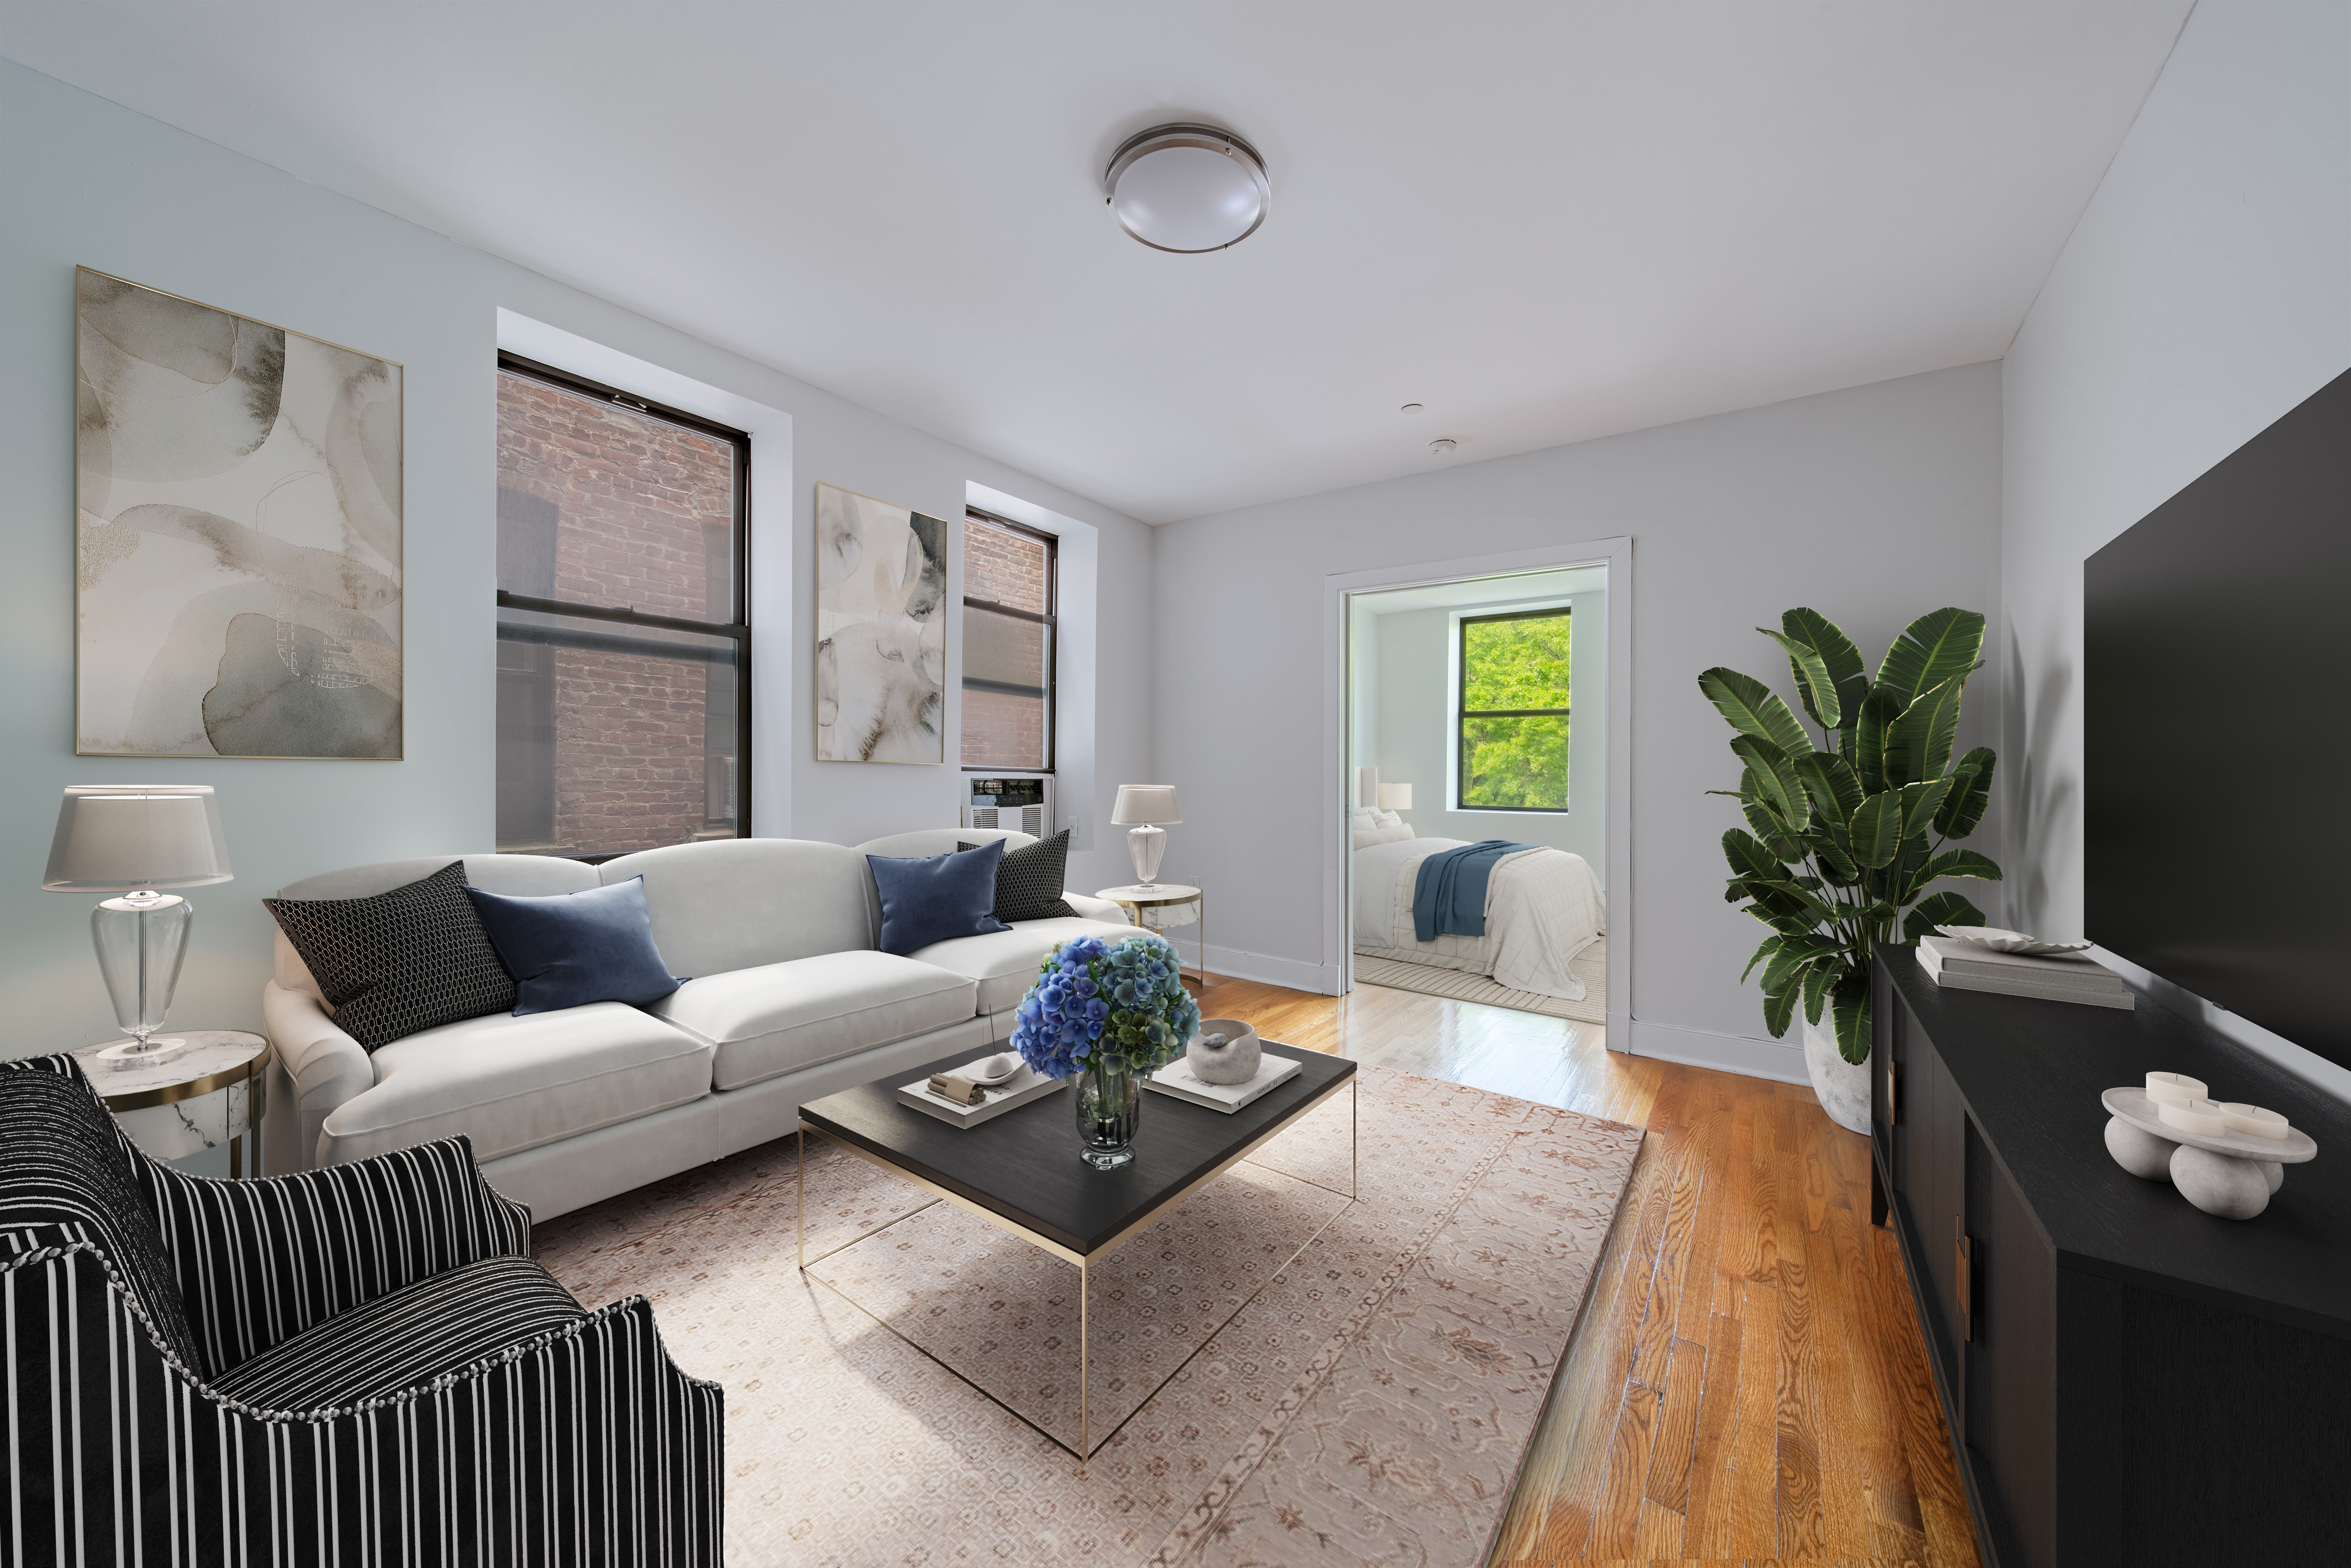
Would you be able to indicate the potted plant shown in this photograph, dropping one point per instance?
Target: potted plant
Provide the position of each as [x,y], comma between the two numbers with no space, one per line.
[1843,837]
[1106,1013]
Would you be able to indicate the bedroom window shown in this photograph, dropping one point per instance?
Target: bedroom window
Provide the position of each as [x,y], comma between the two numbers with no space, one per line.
[1513,712]
[1008,592]
[624,693]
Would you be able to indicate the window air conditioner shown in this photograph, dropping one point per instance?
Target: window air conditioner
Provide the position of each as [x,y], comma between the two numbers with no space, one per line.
[1020,804]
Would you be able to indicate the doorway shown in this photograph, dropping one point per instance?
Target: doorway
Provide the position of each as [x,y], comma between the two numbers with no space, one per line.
[1478,751]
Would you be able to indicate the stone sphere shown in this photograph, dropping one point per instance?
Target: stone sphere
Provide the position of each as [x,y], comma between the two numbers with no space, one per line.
[2230,1188]
[2138,1151]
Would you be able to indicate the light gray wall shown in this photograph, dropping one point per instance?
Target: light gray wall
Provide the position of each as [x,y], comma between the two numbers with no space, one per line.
[84,180]
[1871,504]
[1415,731]
[2205,291]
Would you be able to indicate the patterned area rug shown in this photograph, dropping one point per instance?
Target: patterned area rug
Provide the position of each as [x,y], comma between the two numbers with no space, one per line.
[1370,1402]
[1590,966]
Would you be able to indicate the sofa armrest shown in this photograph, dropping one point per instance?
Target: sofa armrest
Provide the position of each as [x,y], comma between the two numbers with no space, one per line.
[323,1067]
[262,1260]
[1096,908]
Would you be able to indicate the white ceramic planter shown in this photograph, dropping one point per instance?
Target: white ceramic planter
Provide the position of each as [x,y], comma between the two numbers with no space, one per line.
[1843,1086]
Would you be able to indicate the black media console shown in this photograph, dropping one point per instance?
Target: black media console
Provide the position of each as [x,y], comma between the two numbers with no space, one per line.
[2127,1380]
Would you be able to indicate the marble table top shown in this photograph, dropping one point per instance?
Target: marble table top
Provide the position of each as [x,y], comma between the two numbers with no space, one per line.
[1164,892]
[210,1052]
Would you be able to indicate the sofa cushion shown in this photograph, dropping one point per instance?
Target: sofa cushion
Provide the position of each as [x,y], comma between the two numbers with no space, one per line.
[1005,965]
[405,1338]
[1029,881]
[780,1017]
[566,949]
[738,903]
[405,960]
[521,875]
[513,1083]
[934,897]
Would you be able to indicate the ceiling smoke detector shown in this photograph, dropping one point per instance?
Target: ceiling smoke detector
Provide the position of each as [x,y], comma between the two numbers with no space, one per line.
[1188,188]
[1409,408]
[1443,445]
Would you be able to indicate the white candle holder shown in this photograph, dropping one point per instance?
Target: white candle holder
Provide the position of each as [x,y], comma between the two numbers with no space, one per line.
[2226,1173]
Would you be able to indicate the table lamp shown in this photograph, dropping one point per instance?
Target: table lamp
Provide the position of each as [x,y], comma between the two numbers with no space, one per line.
[1145,805]
[135,840]
[1395,797]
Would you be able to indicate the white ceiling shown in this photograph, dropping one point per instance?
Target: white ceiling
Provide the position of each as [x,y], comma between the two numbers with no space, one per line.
[1544,222]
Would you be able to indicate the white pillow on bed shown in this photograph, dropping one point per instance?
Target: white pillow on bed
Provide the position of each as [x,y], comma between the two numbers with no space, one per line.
[1387,819]
[1366,838]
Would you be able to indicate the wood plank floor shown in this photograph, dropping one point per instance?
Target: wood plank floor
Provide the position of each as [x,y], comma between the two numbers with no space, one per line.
[1747,1382]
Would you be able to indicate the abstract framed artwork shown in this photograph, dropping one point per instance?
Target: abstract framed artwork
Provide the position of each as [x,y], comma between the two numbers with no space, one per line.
[881,627]
[238,492]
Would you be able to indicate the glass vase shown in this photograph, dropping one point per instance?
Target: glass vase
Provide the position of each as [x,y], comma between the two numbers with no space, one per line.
[1108,1101]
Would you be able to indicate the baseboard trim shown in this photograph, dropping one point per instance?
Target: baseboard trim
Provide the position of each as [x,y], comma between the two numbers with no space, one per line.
[1322,979]
[1777,1060]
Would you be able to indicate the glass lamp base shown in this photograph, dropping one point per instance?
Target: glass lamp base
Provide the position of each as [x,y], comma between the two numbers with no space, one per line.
[1144,846]
[129,1056]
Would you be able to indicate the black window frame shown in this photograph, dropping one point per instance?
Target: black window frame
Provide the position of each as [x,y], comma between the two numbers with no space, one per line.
[1463,712]
[737,630]
[1050,619]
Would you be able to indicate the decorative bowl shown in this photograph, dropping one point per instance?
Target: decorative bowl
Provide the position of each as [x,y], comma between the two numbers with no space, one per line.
[1226,1050]
[994,1070]
[1999,941]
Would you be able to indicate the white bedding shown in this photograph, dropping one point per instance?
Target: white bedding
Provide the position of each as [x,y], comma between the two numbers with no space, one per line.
[1543,907]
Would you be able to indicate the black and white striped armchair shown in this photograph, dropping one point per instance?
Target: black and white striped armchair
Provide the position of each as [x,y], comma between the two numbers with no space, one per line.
[354,1364]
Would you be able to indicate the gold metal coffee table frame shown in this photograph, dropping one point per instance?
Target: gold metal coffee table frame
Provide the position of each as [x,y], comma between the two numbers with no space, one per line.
[1084,1262]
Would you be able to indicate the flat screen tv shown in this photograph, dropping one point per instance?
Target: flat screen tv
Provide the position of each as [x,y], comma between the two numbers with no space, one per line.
[2217,733]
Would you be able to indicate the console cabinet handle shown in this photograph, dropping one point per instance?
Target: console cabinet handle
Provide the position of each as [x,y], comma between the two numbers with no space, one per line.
[1965,1279]
[1893,1094]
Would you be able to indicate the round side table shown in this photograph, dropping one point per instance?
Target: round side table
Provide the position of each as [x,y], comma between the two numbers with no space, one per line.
[214,1093]
[1165,896]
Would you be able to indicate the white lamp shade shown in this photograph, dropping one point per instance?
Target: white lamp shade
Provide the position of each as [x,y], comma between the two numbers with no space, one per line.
[1395,797]
[121,838]
[1145,803]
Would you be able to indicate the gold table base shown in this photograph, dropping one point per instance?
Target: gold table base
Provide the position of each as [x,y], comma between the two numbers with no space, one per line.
[1086,1446]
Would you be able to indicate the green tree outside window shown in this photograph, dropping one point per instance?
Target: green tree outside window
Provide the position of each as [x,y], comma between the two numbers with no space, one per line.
[1514,711]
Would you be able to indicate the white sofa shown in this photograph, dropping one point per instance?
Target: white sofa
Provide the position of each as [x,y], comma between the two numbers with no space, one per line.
[789,1000]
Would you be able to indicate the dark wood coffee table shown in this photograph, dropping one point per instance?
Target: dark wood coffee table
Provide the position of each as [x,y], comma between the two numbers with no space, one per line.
[1021,1173]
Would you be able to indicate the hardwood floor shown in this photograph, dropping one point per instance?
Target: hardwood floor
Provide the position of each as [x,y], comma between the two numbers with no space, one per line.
[1748,1382]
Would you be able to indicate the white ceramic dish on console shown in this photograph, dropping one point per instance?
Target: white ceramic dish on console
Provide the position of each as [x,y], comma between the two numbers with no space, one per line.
[2231,1174]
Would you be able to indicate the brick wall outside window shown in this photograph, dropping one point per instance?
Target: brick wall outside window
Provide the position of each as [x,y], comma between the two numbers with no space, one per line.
[603,506]
[1001,730]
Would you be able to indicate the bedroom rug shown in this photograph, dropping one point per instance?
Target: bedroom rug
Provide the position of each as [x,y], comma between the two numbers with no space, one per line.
[1590,966]
[1370,1403]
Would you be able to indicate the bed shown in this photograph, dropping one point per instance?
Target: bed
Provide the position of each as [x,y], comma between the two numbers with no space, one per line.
[1543,907]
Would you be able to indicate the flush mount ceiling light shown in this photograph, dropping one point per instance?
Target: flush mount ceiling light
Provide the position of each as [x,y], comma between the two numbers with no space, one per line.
[1188,188]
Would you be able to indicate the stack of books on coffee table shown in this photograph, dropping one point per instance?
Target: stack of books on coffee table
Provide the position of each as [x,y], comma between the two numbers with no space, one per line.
[2055,978]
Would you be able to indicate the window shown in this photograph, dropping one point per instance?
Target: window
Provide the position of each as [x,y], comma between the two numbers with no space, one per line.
[1008,589]
[1513,712]
[625,692]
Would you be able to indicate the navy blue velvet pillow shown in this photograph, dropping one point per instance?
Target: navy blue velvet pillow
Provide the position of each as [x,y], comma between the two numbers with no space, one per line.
[937,897]
[573,948]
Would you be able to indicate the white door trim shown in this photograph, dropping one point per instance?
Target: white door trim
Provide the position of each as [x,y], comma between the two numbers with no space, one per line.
[1615,553]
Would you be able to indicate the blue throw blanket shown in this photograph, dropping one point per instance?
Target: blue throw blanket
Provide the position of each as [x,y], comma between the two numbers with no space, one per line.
[1449,898]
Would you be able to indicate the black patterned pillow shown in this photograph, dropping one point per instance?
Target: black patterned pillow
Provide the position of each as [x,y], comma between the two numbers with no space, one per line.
[402,961]
[1028,880]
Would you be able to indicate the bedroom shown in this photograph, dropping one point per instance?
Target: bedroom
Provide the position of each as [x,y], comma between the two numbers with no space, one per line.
[1491,694]
[1736,308]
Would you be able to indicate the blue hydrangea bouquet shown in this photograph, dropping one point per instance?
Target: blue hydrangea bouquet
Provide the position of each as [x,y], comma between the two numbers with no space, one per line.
[1105,1013]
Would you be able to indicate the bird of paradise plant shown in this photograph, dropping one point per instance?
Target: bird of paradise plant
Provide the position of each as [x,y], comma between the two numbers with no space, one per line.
[1848,836]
